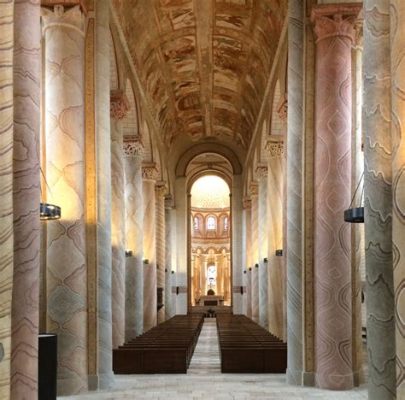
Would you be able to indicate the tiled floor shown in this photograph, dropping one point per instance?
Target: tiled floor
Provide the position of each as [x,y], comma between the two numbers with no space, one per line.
[205,381]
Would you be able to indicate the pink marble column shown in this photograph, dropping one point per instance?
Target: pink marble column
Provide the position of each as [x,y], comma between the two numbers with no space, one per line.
[134,285]
[63,31]
[149,175]
[160,193]
[247,256]
[334,29]
[118,111]
[26,198]
[255,251]
[6,192]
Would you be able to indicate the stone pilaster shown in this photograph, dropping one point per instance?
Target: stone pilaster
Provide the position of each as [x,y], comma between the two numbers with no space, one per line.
[63,32]
[255,251]
[379,289]
[398,182]
[26,198]
[160,192]
[295,227]
[274,222]
[246,225]
[261,174]
[118,111]
[6,193]
[169,243]
[334,28]
[134,288]
[149,175]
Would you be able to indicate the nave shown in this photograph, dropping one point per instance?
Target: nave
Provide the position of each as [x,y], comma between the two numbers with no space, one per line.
[205,381]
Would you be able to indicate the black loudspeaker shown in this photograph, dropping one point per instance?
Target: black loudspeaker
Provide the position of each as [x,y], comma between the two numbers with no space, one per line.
[47,366]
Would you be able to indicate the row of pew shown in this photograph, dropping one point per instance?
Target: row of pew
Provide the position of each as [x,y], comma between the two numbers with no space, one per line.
[247,347]
[166,348]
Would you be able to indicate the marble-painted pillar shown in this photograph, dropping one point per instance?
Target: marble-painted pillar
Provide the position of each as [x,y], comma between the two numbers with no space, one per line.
[149,175]
[378,201]
[63,32]
[133,152]
[169,243]
[118,111]
[247,260]
[261,173]
[398,182]
[275,149]
[103,344]
[160,192]
[334,28]
[26,198]
[295,227]
[6,192]
[255,251]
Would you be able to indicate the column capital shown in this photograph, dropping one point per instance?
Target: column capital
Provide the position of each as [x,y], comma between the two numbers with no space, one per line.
[282,107]
[169,202]
[247,202]
[133,146]
[59,16]
[119,105]
[254,188]
[160,189]
[275,146]
[150,172]
[261,171]
[335,20]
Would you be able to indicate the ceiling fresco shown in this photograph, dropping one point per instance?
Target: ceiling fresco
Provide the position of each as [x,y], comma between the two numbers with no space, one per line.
[204,63]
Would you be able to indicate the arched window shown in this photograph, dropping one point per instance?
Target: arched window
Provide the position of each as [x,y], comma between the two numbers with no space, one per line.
[225,224]
[196,224]
[211,223]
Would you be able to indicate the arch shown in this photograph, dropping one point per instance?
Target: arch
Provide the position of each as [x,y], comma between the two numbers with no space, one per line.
[215,148]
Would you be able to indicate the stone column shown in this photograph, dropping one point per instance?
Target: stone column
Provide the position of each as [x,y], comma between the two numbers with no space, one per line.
[149,175]
[295,226]
[133,151]
[160,192]
[261,173]
[65,173]
[378,201]
[6,192]
[334,28]
[274,222]
[169,243]
[398,183]
[255,251]
[26,198]
[118,111]
[247,259]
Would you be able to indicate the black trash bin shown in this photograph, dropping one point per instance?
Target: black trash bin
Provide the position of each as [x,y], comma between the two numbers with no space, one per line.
[47,366]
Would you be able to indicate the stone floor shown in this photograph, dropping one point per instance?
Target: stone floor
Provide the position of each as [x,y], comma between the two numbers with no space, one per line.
[205,381]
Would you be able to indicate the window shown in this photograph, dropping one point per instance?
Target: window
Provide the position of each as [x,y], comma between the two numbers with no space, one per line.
[211,223]
[225,224]
[211,275]
[196,224]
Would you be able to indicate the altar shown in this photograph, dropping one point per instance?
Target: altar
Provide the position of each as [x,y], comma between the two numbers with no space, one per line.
[211,300]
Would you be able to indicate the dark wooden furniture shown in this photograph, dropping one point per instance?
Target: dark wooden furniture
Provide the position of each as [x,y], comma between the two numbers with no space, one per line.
[247,347]
[166,348]
[47,366]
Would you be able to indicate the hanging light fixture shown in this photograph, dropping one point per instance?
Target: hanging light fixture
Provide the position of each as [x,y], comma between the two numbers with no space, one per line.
[49,211]
[355,215]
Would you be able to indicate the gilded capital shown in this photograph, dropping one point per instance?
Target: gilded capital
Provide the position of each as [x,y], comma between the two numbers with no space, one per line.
[247,202]
[160,189]
[261,171]
[150,172]
[332,20]
[254,188]
[274,147]
[119,105]
[61,17]
[133,146]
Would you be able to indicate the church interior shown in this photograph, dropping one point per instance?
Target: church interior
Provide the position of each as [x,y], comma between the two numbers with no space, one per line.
[202,199]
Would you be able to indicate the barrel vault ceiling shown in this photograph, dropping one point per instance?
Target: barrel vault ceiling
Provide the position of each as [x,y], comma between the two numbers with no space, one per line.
[203,63]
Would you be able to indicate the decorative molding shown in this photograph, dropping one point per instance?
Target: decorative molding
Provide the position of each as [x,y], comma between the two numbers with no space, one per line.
[247,202]
[335,20]
[261,171]
[161,189]
[119,105]
[132,146]
[150,172]
[72,18]
[65,3]
[282,108]
[275,148]
[254,188]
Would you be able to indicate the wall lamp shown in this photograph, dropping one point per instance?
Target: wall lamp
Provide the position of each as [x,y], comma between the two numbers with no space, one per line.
[49,211]
[146,261]
[279,252]
[128,253]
